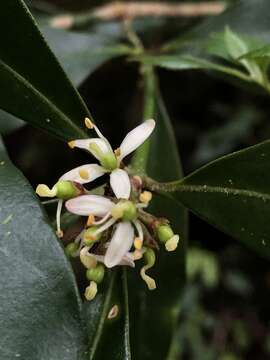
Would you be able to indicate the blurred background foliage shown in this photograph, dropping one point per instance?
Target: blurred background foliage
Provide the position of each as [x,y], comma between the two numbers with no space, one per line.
[225,312]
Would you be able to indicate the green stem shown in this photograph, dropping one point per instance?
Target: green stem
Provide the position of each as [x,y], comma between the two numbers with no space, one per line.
[139,161]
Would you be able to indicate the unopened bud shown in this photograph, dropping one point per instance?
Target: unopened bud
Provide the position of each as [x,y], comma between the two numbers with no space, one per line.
[71,249]
[91,291]
[164,233]
[96,274]
[90,236]
[66,190]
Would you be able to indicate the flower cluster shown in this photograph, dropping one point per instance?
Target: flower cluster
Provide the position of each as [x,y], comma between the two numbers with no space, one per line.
[118,230]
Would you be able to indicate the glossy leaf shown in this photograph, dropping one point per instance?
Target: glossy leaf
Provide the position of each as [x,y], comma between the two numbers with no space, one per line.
[185,62]
[36,88]
[81,54]
[232,193]
[260,53]
[9,123]
[154,321]
[108,320]
[40,308]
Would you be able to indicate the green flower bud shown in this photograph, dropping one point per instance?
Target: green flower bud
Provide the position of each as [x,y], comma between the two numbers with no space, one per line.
[96,274]
[71,249]
[89,237]
[125,210]
[109,161]
[66,190]
[149,257]
[164,233]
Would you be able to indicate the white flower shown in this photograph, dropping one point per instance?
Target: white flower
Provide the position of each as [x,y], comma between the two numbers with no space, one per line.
[126,211]
[101,149]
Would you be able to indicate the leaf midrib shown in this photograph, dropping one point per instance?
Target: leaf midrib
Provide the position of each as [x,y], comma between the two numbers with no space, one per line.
[219,189]
[43,98]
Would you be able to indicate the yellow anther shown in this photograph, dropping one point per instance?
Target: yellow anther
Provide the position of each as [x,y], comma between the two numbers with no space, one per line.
[138,243]
[72,144]
[59,233]
[172,243]
[113,312]
[117,152]
[137,255]
[84,174]
[146,197]
[44,191]
[91,291]
[90,220]
[88,123]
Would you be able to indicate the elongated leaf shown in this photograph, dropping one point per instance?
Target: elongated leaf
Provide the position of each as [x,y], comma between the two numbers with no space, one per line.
[155,319]
[108,320]
[9,123]
[185,62]
[260,53]
[39,302]
[81,54]
[35,88]
[233,194]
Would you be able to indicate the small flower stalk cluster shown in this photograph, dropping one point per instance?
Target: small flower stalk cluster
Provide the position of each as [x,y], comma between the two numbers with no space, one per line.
[118,230]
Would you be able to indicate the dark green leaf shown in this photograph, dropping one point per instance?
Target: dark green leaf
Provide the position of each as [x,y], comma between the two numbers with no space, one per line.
[9,123]
[40,308]
[155,313]
[108,335]
[233,194]
[35,87]
[184,62]
[81,54]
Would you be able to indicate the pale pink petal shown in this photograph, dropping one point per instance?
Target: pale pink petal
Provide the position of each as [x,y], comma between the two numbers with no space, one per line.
[136,137]
[120,244]
[89,204]
[120,184]
[84,174]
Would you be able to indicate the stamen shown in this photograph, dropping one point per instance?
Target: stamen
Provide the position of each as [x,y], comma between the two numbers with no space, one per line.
[139,230]
[72,144]
[141,206]
[150,282]
[172,243]
[84,174]
[117,152]
[105,226]
[91,291]
[138,243]
[59,232]
[90,220]
[88,123]
[146,197]
[105,218]
[44,191]
[87,259]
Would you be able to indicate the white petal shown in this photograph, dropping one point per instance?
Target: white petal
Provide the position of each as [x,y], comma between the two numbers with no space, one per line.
[127,260]
[120,184]
[120,244]
[89,204]
[136,137]
[84,174]
[100,143]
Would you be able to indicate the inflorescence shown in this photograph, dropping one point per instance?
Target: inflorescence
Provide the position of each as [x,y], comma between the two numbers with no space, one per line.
[118,230]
